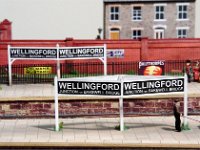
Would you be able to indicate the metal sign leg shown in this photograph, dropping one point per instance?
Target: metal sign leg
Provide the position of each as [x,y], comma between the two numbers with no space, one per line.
[121,111]
[56,105]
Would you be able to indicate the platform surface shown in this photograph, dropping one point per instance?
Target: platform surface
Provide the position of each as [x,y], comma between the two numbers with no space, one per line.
[100,132]
[46,92]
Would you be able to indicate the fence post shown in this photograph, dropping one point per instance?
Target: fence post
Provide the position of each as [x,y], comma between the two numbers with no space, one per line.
[58,61]
[9,67]
[185,121]
[56,104]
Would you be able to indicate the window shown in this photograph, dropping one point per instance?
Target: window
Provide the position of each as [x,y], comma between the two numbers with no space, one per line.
[181,33]
[137,34]
[182,11]
[137,13]
[159,33]
[114,13]
[159,12]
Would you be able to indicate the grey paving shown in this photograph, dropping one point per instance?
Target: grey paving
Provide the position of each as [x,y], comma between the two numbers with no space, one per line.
[46,92]
[100,131]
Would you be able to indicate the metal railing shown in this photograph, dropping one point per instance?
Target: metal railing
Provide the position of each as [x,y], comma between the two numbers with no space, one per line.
[44,73]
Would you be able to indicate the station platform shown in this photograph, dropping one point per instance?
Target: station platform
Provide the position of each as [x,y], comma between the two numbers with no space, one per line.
[93,132]
[143,132]
[46,92]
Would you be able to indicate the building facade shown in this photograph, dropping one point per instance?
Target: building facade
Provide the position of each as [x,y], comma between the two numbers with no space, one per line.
[197,20]
[133,19]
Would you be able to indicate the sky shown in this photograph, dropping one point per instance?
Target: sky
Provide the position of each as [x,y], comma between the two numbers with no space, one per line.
[53,19]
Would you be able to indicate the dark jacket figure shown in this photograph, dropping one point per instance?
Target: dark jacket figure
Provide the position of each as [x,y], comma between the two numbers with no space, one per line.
[189,70]
[177,116]
[196,72]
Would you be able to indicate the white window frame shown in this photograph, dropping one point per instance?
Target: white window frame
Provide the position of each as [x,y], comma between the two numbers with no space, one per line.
[160,12]
[137,29]
[181,29]
[159,28]
[160,31]
[139,15]
[182,12]
[114,13]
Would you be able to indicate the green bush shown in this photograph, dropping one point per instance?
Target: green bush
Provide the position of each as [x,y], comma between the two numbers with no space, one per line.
[74,72]
[131,72]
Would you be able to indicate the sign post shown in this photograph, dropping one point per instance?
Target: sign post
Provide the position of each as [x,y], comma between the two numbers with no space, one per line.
[105,61]
[58,61]
[55,53]
[56,104]
[9,67]
[119,88]
[121,107]
[185,119]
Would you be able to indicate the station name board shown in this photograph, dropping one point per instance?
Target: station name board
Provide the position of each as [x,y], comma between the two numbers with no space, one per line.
[51,53]
[33,53]
[89,88]
[81,52]
[114,88]
[154,86]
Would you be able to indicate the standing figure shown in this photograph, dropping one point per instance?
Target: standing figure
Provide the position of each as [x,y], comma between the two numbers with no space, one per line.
[196,72]
[177,115]
[188,70]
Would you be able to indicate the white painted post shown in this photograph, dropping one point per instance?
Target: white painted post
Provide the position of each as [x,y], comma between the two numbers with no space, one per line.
[105,60]
[56,104]
[121,110]
[9,67]
[58,61]
[185,120]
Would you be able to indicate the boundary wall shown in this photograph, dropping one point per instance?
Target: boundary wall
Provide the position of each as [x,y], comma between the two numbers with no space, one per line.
[134,50]
[109,107]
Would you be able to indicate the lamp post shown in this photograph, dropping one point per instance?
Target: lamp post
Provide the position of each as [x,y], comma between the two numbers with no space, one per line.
[99,33]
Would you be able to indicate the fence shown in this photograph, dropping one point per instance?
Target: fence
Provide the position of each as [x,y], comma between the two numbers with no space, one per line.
[41,73]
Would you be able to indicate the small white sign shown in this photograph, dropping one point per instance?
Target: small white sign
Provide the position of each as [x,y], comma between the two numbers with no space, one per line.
[115,53]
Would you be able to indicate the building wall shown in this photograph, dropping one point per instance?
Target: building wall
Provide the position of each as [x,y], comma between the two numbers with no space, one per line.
[81,107]
[134,50]
[197,20]
[147,25]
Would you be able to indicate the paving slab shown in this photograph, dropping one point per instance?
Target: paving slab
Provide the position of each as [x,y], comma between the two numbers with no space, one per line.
[86,131]
[44,92]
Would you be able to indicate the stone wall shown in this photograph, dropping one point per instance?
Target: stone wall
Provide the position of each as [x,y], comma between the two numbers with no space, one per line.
[75,108]
[148,23]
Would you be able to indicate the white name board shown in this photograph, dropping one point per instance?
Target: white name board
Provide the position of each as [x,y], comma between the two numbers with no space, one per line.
[89,88]
[115,53]
[39,53]
[87,52]
[154,86]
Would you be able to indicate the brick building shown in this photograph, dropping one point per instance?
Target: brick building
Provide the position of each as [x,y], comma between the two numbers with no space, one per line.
[132,19]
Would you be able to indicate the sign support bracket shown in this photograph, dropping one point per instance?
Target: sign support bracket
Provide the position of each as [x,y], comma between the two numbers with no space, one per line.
[185,120]
[58,61]
[56,104]
[121,110]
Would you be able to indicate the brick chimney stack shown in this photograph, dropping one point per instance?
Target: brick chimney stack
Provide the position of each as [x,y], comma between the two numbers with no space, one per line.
[5,30]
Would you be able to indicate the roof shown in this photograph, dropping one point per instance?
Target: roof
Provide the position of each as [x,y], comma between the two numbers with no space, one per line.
[114,1]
